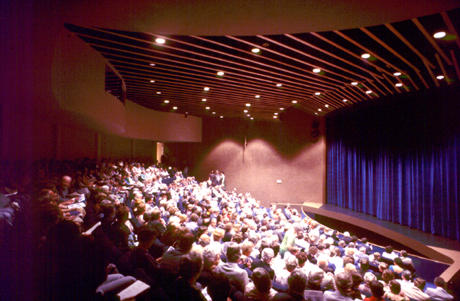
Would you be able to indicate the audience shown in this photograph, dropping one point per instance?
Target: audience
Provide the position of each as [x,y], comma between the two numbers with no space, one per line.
[191,240]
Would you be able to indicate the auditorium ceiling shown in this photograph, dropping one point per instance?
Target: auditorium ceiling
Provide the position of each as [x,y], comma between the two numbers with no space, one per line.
[260,76]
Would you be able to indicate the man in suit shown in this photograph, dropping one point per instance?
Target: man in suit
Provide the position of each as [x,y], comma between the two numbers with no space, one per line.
[439,293]
[236,275]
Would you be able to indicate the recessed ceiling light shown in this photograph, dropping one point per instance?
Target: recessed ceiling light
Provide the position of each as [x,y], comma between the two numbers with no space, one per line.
[245,111]
[160,40]
[206,88]
[174,108]
[158,92]
[368,92]
[248,115]
[213,113]
[248,104]
[365,55]
[152,81]
[279,85]
[281,109]
[294,101]
[326,106]
[439,35]
[317,93]
[166,101]
[274,116]
[319,110]
[208,108]
[316,70]
[221,116]
[252,118]
[344,100]
[152,64]
[354,83]
[440,77]
[257,96]
[220,73]
[398,84]
[255,50]
[203,99]
[276,113]
[397,73]
[316,113]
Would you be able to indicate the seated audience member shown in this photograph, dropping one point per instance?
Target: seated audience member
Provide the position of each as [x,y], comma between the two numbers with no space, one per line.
[184,287]
[394,292]
[169,262]
[236,275]
[415,292]
[364,287]
[377,291]
[210,261]
[280,283]
[387,276]
[265,259]
[260,288]
[313,290]
[297,282]
[389,255]
[219,288]
[439,293]
[357,280]
[343,284]
[397,267]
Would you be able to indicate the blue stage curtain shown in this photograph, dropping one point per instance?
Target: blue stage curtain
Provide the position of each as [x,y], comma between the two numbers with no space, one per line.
[399,165]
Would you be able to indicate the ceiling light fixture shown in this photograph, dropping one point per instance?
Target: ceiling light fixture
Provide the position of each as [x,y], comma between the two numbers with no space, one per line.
[326,106]
[213,113]
[354,83]
[319,110]
[245,111]
[317,93]
[206,89]
[281,109]
[221,116]
[397,73]
[160,40]
[220,73]
[439,35]
[344,100]
[398,85]
[294,101]
[365,55]
[279,85]
[252,118]
[152,81]
[316,113]
[203,99]
[257,96]
[368,92]
[248,104]
[174,108]
[255,50]
[316,70]
[159,92]
[274,116]
[440,77]
[208,108]
[152,64]
[276,113]
[166,101]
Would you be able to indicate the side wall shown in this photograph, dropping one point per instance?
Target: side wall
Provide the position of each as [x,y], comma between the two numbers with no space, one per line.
[255,155]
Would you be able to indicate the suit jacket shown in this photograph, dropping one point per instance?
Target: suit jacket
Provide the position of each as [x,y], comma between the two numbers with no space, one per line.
[236,275]
[438,293]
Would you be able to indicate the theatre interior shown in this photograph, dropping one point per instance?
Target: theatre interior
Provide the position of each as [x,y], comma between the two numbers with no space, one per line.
[230,150]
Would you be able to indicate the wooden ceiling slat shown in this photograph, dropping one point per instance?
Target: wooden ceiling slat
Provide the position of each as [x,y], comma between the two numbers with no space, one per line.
[441,65]
[385,86]
[431,74]
[454,59]
[431,40]
[451,27]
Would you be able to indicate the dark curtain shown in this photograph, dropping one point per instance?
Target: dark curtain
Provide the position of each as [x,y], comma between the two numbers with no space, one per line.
[399,161]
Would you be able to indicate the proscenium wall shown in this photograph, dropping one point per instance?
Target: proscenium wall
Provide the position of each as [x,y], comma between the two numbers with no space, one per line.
[291,150]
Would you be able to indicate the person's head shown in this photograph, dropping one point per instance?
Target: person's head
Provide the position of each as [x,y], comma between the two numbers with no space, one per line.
[210,258]
[438,281]
[267,255]
[297,282]
[247,247]
[218,234]
[185,242]
[314,280]
[376,289]
[398,261]
[146,236]
[343,282]
[262,280]
[357,279]
[219,288]
[301,258]
[395,287]
[190,266]
[406,275]
[388,249]
[387,276]
[291,263]
[369,277]
[122,214]
[420,283]
[66,181]
[233,252]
